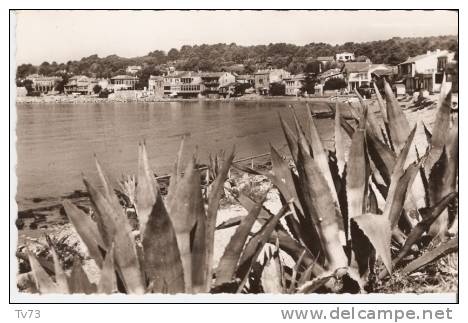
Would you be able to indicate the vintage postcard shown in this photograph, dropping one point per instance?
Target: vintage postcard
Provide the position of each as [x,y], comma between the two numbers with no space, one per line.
[291,155]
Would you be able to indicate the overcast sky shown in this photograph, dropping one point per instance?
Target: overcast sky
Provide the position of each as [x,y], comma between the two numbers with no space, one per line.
[69,35]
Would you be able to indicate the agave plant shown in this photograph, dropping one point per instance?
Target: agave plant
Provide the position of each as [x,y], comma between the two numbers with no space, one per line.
[348,213]
[174,252]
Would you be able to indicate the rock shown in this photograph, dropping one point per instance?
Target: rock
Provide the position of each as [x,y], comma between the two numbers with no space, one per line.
[25,283]
[19,223]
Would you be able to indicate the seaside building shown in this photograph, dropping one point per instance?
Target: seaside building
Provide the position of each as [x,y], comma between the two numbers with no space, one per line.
[80,84]
[330,74]
[182,83]
[43,84]
[424,72]
[359,74]
[211,83]
[263,79]
[246,79]
[124,82]
[156,85]
[345,57]
[190,85]
[294,84]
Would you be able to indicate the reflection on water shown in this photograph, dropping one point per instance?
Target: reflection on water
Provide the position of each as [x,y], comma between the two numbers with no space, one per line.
[56,142]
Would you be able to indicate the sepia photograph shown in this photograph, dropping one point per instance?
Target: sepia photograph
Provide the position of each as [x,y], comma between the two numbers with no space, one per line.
[235,152]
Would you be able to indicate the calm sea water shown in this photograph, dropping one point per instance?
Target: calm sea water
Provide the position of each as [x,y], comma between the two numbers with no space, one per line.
[56,142]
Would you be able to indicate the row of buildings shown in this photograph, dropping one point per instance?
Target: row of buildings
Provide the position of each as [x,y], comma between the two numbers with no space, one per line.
[422,72]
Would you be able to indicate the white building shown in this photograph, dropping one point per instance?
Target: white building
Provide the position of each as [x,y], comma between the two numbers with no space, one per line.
[424,72]
[345,57]
[359,74]
[294,84]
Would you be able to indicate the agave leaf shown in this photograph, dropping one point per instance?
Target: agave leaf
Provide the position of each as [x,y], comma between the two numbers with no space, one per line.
[429,256]
[357,172]
[439,129]
[383,157]
[212,211]
[339,141]
[295,271]
[398,125]
[322,208]
[61,278]
[272,276]
[79,282]
[377,229]
[145,190]
[427,133]
[176,174]
[344,124]
[319,154]
[306,275]
[392,208]
[163,264]
[291,138]
[187,207]
[108,281]
[228,262]
[255,245]
[199,250]
[87,230]
[396,200]
[443,180]
[105,214]
[283,178]
[301,138]
[114,220]
[44,283]
[431,214]
[371,119]
[381,103]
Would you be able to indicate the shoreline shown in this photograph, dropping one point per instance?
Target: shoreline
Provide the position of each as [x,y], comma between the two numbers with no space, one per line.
[64,99]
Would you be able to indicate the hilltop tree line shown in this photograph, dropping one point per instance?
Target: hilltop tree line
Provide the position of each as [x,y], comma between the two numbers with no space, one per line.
[221,57]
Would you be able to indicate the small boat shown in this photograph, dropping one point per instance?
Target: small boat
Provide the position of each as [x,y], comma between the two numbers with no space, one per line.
[323,115]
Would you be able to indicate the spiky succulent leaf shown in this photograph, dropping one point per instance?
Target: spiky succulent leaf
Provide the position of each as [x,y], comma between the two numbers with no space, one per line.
[228,263]
[377,229]
[212,211]
[87,230]
[162,262]
[443,249]
[398,125]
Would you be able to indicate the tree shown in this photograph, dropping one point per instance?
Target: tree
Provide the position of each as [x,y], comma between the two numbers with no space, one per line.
[60,87]
[24,70]
[313,67]
[97,88]
[28,84]
[173,54]
[309,83]
[240,88]
[277,89]
[334,84]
